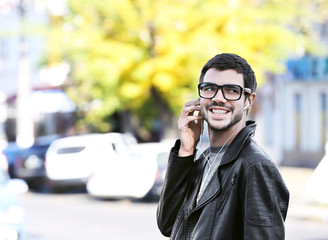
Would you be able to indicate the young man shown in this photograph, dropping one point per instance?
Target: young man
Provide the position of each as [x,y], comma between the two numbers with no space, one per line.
[234,190]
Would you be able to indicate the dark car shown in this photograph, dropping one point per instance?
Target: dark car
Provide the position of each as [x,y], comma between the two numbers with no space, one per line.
[11,152]
[28,163]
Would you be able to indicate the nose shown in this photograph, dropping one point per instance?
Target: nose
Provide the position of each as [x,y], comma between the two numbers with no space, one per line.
[219,96]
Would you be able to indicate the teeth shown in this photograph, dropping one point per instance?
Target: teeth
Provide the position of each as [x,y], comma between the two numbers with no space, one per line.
[215,111]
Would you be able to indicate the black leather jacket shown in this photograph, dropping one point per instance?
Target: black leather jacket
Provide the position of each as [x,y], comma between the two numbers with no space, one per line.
[246,199]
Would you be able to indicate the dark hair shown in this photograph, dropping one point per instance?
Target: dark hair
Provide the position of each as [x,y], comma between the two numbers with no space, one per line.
[225,61]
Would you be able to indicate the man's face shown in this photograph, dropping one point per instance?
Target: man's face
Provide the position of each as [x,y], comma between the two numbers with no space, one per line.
[221,114]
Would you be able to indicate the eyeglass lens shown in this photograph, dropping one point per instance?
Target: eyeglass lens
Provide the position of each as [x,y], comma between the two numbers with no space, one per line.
[229,91]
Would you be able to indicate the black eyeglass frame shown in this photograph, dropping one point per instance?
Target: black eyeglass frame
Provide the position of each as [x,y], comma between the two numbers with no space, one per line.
[242,90]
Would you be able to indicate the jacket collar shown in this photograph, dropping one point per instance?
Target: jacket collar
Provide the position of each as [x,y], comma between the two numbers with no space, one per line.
[230,155]
[237,144]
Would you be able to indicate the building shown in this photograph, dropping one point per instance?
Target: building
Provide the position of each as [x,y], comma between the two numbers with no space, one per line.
[31,102]
[294,112]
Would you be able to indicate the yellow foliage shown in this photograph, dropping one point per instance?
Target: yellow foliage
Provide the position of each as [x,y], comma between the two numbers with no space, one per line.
[122,49]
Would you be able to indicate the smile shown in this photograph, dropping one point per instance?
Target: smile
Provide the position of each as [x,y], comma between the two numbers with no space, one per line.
[219,111]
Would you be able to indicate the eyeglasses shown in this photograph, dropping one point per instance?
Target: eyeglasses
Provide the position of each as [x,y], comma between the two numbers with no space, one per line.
[231,92]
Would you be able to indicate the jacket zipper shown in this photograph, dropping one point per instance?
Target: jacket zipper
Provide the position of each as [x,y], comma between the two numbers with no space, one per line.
[204,203]
[232,182]
[177,225]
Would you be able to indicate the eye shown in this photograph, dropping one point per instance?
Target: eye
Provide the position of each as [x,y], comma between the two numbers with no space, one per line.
[208,89]
[232,89]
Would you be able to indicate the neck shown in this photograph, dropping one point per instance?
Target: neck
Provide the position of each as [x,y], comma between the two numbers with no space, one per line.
[222,137]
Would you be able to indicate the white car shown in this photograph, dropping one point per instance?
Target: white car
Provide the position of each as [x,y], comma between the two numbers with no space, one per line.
[138,175]
[71,160]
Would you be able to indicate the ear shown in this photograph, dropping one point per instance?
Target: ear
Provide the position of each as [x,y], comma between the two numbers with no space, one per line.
[249,101]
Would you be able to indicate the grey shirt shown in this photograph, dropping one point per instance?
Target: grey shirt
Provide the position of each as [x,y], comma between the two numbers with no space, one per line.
[213,157]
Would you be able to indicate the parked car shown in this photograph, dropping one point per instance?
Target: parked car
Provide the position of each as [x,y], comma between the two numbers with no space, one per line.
[71,160]
[29,164]
[11,151]
[12,214]
[140,174]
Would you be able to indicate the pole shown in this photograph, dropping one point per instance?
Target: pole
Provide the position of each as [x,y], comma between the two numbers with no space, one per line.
[24,119]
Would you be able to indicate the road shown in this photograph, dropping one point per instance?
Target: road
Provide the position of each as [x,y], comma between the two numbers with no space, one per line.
[80,217]
[76,216]
[306,229]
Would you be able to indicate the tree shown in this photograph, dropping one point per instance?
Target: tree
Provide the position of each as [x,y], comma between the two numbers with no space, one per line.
[143,57]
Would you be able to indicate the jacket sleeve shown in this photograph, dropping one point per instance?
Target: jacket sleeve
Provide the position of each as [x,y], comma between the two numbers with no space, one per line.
[266,202]
[174,190]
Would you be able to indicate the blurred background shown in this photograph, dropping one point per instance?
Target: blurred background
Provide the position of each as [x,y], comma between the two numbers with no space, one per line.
[89,69]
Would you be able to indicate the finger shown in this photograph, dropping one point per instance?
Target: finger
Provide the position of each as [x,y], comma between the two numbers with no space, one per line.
[194,102]
[193,120]
[190,108]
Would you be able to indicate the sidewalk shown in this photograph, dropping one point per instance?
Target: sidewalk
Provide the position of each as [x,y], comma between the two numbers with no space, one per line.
[301,205]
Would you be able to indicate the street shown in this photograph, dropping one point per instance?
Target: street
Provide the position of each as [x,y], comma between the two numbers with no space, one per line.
[77,216]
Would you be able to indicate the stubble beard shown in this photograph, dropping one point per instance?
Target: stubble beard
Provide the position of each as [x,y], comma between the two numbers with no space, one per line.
[236,118]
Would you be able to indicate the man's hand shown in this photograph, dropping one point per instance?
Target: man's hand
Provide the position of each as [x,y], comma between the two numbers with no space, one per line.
[189,127]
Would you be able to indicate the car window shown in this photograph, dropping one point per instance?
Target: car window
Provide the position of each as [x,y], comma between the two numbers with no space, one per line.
[68,150]
[129,141]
